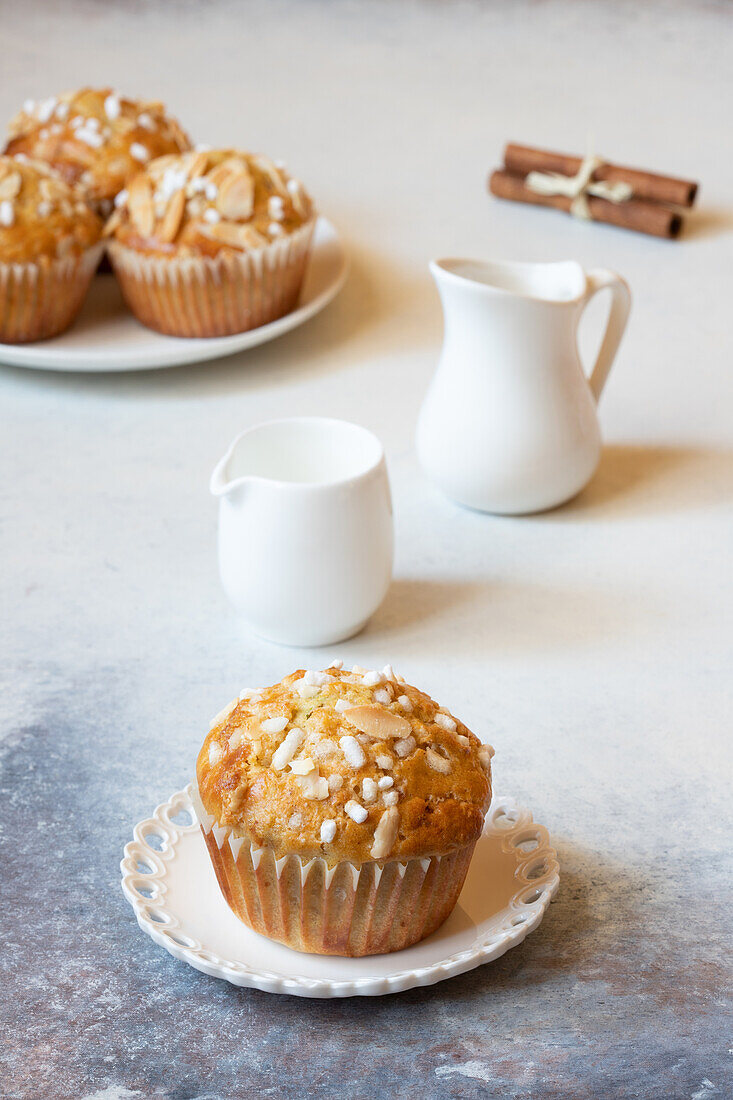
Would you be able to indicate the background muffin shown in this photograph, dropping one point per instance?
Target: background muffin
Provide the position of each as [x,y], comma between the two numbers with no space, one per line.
[95,138]
[341,810]
[50,245]
[211,243]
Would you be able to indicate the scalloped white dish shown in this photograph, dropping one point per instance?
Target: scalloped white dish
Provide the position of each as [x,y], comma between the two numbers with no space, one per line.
[106,336]
[169,881]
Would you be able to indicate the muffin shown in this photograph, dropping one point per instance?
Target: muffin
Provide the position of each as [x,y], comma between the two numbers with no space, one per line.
[50,245]
[95,138]
[211,243]
[341,809]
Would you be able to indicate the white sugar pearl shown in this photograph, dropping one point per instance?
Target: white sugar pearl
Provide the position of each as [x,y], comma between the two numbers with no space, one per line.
[355,811]
[369,790]
[139,152]
[353,751]
[274,725]
[328,831]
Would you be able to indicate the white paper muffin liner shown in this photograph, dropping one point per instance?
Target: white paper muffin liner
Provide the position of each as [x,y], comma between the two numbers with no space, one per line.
[202,296]
[345,909]
[39,300]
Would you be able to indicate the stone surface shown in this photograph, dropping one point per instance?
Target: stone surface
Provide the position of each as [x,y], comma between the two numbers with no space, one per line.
[590,645]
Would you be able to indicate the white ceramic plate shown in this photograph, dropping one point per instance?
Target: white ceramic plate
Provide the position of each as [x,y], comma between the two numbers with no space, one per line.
[106,336]
[169,881]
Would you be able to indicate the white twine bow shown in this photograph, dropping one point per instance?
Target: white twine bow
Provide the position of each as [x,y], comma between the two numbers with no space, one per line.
[579,186]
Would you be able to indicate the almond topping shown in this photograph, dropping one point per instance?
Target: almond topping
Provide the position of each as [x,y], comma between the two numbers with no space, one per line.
[378,722]
[198,165]
[235,235]
[172,218]
[112,223]
[437,762]
[302,766]
[385,833]
[484,754]
[140,205]
[236,197]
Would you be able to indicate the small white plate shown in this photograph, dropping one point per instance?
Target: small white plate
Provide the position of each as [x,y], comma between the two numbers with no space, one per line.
[106,336]
[169,881]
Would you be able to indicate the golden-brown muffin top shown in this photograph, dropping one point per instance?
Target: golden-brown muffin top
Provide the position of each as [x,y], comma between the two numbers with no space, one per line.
[353,766]
[40,215]
[96,138]
[205,201]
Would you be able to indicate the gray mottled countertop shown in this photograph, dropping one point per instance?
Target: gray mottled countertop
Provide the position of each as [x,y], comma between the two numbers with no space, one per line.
[591,645]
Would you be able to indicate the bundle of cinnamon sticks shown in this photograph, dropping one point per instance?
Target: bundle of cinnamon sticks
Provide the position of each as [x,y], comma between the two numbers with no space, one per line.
[652,207]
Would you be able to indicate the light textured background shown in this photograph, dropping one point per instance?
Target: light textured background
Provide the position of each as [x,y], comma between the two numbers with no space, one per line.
[591,645]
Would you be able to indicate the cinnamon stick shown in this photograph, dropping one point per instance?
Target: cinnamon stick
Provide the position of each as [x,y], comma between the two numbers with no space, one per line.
[638,214]
[522,159]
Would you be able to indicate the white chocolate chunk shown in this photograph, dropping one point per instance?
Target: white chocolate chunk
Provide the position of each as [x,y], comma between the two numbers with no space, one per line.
[405,746]
[355,811]
[385,833]
[353,751]
[437,762]
[328,831]
[285,752]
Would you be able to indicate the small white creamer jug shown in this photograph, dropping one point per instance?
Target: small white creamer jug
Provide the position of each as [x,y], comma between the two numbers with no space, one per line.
[305,528]
[509,424]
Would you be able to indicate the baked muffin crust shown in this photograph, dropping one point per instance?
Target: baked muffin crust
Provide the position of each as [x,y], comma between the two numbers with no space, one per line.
[41,216]
[207,201]
[96,138]
[351,766]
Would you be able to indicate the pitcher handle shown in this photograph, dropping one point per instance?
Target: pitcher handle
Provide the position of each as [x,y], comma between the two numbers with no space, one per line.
[601,279]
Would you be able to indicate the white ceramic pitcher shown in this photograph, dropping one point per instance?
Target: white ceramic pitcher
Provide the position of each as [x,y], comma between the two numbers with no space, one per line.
[509,424]
[305,528]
